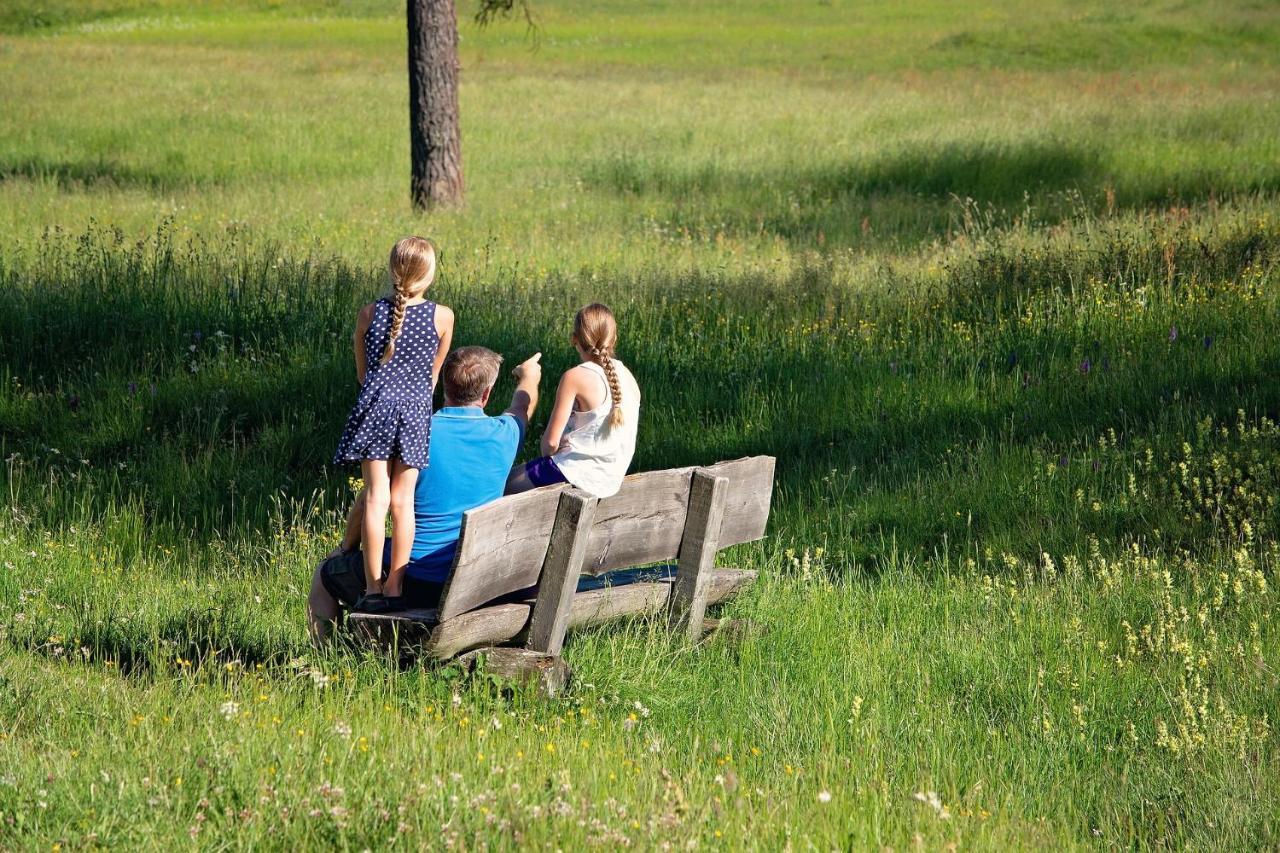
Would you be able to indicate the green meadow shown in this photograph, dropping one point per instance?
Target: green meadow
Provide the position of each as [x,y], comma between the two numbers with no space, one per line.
[996,283]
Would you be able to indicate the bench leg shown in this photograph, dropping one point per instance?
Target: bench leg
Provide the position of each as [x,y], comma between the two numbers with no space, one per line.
[559,579]
[698,549]
[549,675]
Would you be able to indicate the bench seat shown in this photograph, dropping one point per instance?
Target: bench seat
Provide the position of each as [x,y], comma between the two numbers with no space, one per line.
[528,567]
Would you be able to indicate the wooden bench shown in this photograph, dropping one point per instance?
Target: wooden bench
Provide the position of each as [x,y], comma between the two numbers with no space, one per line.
[516,574]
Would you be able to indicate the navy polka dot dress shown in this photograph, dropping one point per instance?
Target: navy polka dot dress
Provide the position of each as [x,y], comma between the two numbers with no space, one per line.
[392,417]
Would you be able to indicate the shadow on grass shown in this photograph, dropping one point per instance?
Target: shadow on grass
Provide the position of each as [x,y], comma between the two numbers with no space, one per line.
[96,175]
[912,195]
[229,434]
[998,172]
[186,638]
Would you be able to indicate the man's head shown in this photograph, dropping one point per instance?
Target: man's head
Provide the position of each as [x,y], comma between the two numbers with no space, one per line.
[468,375]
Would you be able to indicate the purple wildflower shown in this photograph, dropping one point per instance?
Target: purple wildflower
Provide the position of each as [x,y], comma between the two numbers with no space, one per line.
[1208,341]
[1173,333]
[1086,366]
[133,389]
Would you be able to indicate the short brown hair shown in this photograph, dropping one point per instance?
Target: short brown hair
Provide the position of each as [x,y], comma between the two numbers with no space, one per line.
[468,372]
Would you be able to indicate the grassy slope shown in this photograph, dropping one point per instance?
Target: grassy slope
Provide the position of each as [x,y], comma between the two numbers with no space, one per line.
[772,199]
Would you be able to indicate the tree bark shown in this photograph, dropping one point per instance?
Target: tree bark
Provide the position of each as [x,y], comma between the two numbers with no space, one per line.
[434,140]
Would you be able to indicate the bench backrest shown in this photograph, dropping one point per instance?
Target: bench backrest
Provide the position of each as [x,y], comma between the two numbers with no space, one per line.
[503,543]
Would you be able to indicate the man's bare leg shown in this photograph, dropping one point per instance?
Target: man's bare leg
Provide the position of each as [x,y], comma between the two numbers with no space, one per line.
[322,610]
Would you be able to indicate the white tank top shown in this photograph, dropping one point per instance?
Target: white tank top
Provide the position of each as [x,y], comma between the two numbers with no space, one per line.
[594,456]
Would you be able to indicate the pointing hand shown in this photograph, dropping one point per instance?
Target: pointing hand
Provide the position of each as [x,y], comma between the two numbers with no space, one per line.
[530,369]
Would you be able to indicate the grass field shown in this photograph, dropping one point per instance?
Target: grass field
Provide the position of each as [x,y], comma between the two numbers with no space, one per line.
[996,283]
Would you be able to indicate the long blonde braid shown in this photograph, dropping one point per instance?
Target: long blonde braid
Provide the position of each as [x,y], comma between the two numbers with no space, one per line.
[412,267]
[596,331]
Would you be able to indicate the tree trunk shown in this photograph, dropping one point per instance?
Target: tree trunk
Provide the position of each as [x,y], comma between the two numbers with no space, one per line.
[435,143]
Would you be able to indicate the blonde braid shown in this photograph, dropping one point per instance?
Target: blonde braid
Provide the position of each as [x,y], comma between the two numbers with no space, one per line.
[397,321]
[604,358]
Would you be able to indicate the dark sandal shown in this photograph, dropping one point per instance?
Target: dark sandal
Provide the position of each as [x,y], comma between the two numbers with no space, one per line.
[373,602]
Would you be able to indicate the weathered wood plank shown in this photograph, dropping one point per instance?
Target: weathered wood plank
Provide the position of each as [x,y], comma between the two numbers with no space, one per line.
[500,550]
[549,675]
[502,623]
[559,579]
[644,521]
[698,549]
[489,626]
[504,543]
[405,629]
[750,497]
[641,523]
[638,599]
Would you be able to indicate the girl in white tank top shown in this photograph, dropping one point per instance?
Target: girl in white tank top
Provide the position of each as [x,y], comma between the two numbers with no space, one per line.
[591,435]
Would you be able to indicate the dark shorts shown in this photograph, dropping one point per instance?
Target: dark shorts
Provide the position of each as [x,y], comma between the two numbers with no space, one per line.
[343,578]
[543,471]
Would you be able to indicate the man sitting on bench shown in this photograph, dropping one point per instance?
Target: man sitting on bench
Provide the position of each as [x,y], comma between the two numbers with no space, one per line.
[470,456]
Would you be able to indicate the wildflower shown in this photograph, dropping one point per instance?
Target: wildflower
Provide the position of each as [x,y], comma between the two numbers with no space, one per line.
[230,709]
[824,796]
[133,389]
[1208,341]
[342,728]
[1085,367]
[933,801]
[1173,333]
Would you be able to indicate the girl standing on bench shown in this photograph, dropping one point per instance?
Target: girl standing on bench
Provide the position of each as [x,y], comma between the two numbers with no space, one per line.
[591,436]
[400,342]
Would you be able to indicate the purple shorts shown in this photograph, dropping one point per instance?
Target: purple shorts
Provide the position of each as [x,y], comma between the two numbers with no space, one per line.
[543,472]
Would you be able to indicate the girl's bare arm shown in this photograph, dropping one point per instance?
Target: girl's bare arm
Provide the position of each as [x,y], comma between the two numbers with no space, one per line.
[566,393]
[363,319]
[444,328]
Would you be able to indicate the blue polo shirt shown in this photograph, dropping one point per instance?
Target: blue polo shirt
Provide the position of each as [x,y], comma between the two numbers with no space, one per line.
[469,459]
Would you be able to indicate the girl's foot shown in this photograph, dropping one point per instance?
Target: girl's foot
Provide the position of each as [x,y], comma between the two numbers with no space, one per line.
[371,602]
[377,603]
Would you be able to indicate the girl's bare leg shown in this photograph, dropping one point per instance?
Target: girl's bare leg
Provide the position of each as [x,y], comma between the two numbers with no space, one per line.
[377,488]
[518,481]
[403,481]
